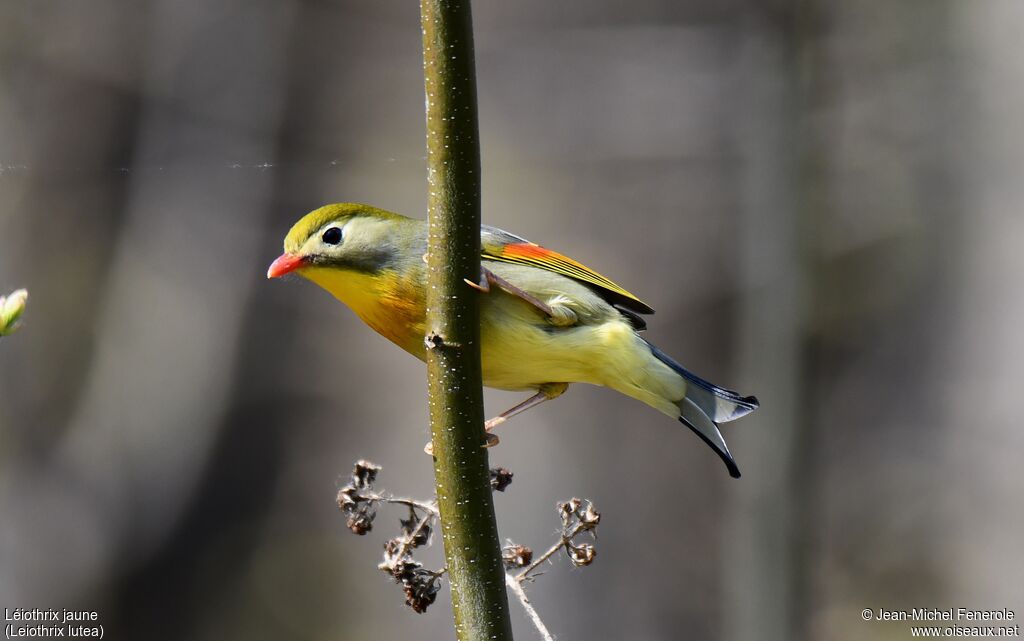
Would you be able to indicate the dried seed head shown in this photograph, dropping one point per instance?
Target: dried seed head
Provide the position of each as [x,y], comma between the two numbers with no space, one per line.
[419,584]
[421,590]
[516,556]
[416,533]
[500,478]
[406,569]
[589,515]
[359,510]
[582,554]
[578,512]
[391,548]
[567,511]
[345,500]
[359,504]
[364,474]
[360,521]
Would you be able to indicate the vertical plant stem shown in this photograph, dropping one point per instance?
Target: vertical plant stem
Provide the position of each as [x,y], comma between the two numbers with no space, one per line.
[469,531]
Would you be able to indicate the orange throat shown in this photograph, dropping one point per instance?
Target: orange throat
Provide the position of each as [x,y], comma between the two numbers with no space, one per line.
[393,307]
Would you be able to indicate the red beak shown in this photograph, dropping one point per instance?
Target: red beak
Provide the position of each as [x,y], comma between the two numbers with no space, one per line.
[285,264]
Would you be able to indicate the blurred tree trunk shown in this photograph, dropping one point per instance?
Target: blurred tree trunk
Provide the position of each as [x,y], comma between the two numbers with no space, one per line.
[766,559]
[984,346]
[184,266]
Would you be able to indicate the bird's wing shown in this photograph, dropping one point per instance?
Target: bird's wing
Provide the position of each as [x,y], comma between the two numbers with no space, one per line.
[500,245]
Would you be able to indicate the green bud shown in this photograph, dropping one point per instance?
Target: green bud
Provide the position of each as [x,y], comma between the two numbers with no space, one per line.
[11,309]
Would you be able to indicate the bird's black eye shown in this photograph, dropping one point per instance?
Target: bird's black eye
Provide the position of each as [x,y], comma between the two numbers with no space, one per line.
[332,236]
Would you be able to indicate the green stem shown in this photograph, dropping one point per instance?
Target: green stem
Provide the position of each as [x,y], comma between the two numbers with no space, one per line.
[469,530]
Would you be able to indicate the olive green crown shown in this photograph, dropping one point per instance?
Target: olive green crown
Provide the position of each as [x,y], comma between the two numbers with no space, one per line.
[337,213]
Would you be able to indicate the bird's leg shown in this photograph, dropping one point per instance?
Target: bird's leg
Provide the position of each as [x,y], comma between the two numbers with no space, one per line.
[488,278]
[546,392]
[557,314]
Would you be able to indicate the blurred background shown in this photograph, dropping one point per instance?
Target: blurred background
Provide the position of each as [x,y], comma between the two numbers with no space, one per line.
[820,198]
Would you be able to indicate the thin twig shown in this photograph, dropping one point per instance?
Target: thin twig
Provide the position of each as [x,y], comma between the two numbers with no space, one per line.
[514,583]
[566,539]
[407,543]
[426,507]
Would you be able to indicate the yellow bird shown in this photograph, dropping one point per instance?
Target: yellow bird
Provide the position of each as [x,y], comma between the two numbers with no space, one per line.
[546,320]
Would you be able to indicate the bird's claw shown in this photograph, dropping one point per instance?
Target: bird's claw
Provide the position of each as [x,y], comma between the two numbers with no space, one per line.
[480,288]
[490,440]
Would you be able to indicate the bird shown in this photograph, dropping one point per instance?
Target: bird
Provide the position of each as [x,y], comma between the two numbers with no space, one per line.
[546,320]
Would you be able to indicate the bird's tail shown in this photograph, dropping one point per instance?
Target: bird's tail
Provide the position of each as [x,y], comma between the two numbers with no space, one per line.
[706,405]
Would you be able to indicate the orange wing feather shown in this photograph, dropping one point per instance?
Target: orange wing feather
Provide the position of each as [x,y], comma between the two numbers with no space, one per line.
[527,253]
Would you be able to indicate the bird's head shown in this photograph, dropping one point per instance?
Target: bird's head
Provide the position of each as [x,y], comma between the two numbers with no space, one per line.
[346,236]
